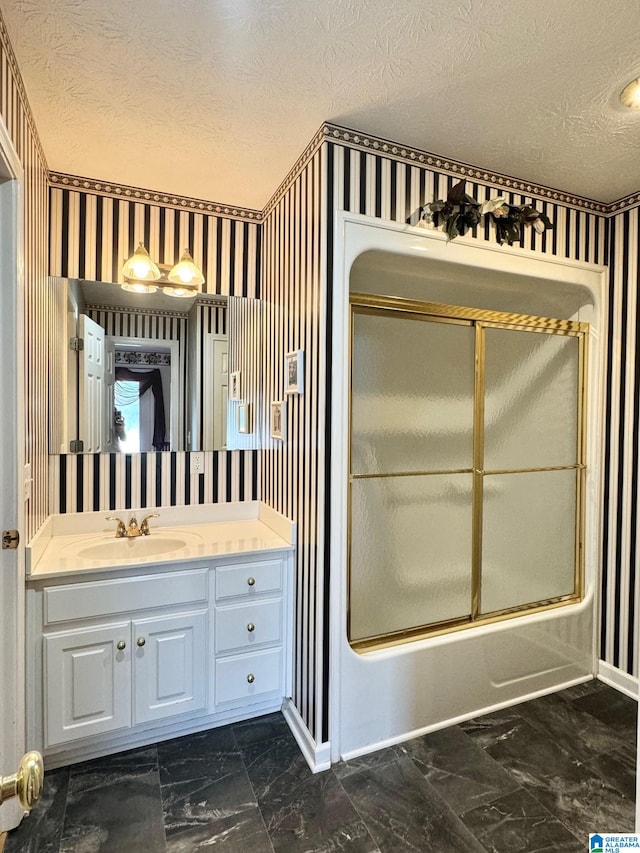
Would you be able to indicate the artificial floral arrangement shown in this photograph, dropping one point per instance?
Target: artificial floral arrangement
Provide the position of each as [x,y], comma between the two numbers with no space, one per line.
[461,211]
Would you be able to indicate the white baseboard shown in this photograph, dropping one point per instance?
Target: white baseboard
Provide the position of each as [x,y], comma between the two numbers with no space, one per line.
[318,757]
[615,677]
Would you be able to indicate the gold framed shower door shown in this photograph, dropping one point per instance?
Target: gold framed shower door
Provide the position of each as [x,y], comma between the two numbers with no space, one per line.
[482,320]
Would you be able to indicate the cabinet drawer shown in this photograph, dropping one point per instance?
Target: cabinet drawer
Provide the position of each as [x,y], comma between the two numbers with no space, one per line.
[248,625]
[248,579]
[234,676]
[106,598]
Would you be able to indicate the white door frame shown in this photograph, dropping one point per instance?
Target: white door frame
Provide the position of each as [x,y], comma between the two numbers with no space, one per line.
[12,455]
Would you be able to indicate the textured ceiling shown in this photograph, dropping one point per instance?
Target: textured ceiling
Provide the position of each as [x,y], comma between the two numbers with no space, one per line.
[216,99]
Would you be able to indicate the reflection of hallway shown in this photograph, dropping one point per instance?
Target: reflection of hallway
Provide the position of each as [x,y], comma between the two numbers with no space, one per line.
[541,775]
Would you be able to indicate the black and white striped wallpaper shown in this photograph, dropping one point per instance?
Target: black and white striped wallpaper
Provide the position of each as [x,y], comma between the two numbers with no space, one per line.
[16,115]
[93,482]
[295,471]
[620,611]
[92,234]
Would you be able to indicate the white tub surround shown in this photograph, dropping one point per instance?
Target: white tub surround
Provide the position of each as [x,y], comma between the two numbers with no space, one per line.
[129,647]
[388,695]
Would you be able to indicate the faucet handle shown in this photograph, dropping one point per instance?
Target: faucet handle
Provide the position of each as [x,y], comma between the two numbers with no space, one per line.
[121,530]
[144,526]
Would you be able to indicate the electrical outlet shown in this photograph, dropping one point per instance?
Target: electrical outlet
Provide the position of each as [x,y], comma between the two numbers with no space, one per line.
[197,462]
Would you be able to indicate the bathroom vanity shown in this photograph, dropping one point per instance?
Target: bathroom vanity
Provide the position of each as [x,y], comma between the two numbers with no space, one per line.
[137,640]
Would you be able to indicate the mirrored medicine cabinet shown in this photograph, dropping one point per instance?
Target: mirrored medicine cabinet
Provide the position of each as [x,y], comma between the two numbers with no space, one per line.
[133,372]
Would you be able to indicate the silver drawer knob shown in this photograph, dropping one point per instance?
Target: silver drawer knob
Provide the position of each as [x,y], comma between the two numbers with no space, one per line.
[251,678]
[121,646]
[251,581]
[251,627]
[141,641]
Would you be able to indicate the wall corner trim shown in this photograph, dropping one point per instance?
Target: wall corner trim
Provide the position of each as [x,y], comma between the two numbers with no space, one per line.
[618,679]
[318,756]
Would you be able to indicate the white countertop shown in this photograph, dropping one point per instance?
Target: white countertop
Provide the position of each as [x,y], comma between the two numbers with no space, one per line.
[181,534]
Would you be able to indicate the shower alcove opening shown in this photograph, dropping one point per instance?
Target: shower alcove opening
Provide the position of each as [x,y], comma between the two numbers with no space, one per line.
[466,474]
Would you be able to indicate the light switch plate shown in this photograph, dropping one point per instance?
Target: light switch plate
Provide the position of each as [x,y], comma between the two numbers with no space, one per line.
[28,481]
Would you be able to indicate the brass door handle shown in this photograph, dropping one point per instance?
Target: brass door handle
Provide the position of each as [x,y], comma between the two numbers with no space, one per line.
[251,678]
[251,581]
[141,641]
[251,627]
[26,784]
[121,646]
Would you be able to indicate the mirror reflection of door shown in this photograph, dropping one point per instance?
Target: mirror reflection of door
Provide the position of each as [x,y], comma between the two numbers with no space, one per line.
[215,393]
[92,388]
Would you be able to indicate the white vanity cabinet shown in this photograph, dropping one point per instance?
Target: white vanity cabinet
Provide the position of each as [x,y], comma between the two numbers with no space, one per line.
[103,676]
[123,658]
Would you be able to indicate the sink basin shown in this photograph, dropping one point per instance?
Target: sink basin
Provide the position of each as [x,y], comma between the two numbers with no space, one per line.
[118,550]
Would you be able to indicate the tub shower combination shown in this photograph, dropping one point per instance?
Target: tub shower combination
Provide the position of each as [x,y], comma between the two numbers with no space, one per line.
[468,481]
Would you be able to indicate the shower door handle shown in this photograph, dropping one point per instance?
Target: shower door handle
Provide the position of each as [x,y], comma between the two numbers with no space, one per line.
[26,784]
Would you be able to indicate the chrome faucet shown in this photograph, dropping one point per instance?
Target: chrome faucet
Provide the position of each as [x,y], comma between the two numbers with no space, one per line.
[122,531]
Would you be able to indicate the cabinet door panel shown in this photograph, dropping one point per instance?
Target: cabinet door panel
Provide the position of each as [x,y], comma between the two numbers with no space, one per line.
[88,682]
[170,668]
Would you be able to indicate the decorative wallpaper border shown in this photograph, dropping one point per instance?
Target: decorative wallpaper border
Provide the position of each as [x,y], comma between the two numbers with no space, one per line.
[115,190]
[416,156]
[354,139]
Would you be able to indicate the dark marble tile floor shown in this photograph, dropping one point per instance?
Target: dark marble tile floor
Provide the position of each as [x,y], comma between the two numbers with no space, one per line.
[534,778]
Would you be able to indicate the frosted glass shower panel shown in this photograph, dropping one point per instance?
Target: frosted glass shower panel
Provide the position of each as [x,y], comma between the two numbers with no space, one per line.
[529,538]
[410,552]
[531,399]
[412,394]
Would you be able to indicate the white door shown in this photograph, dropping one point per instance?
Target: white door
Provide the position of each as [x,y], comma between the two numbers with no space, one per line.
[91,384]
[12,509]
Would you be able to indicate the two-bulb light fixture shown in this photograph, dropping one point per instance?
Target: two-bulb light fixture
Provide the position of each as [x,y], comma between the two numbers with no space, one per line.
[142,275]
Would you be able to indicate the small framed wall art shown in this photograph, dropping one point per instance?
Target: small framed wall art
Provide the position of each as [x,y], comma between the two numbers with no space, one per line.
[278,419]
[244,418]
[234,386]
[294,372]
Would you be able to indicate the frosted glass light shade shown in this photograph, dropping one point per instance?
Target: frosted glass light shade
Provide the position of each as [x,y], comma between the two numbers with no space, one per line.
[138,287]
[140,266]
[186,273]
[180,292]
